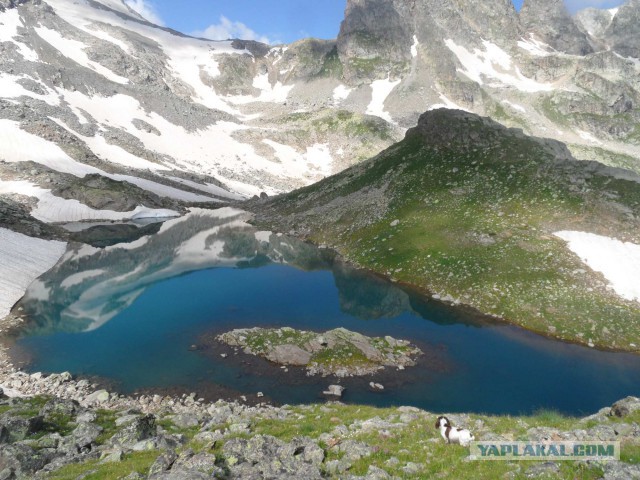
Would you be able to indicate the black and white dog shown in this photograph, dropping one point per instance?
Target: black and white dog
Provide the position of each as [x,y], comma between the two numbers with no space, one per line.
[453,435]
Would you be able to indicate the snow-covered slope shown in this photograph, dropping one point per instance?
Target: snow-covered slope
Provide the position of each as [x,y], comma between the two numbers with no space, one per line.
[22,260]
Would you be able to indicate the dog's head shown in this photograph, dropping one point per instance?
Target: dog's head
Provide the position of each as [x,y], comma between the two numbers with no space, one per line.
[442,422]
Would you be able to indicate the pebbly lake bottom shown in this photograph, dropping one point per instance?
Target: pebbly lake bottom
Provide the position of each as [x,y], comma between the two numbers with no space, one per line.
[139,314]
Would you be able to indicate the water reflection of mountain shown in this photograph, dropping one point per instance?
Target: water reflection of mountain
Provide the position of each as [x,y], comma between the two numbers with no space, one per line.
[90,286]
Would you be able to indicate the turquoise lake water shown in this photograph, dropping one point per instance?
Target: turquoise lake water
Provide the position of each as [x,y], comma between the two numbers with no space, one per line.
[132,313]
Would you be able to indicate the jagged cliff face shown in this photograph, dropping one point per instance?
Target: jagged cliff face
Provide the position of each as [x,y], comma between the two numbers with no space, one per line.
[623,33]
[190,120]
[550,21]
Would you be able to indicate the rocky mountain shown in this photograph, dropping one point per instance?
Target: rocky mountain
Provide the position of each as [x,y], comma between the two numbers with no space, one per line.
[198,121]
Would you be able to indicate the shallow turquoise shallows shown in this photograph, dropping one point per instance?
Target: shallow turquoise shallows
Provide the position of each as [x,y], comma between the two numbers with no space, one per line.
[131,313]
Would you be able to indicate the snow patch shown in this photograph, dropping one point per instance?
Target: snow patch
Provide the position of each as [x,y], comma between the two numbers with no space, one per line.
[481,64]
[277,93]
[263,237]
[414,47]
[22,260]
[535,47]
[341,93]
[380,90]
[317,158]
[446,103]
[618,261]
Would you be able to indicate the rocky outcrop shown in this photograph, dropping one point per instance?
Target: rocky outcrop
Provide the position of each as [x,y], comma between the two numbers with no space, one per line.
[375,39]
[338,352]
[623,34]
[551,23]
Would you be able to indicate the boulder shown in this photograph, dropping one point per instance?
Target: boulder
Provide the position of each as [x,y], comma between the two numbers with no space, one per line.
[334,390]
[141,429]
[289,355]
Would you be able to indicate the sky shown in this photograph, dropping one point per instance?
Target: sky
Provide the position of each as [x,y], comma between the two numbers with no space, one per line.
[269,21]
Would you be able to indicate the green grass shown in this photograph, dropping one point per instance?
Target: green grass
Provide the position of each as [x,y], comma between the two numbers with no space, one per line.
[476,222]
[139,462]
[420,442]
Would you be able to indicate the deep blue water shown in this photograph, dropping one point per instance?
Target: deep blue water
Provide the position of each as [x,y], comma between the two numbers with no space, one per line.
[493,369]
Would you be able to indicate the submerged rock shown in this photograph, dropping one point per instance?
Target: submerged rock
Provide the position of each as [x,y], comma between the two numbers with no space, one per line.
[338,352]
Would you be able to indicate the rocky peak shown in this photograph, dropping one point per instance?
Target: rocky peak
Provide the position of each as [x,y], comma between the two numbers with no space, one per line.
[550,21]
[623,34]
[375,38]
[594,21]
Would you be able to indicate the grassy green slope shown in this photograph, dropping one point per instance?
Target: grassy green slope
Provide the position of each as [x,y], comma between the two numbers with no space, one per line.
[477,206]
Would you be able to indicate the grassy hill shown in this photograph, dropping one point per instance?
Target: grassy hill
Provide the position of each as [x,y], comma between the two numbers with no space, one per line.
[466,209]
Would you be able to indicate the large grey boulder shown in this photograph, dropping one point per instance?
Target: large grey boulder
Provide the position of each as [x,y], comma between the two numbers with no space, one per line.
[263,456]
[289,355]
[141,429]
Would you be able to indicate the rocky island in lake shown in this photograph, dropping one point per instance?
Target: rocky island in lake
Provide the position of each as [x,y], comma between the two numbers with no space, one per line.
[338,352]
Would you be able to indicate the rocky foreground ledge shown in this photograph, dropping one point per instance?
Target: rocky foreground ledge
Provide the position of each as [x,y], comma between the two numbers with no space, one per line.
[44,436]
[338,352]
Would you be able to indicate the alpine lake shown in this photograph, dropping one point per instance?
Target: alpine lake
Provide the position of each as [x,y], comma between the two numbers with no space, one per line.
[140,317]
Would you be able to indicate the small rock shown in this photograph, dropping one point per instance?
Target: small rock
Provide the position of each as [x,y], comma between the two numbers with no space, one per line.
[547,469]
[334,390]
[100,396]
[114,456]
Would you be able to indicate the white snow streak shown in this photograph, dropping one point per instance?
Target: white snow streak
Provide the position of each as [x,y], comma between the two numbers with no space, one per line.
[380,90]
[479,65]
[414,47]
